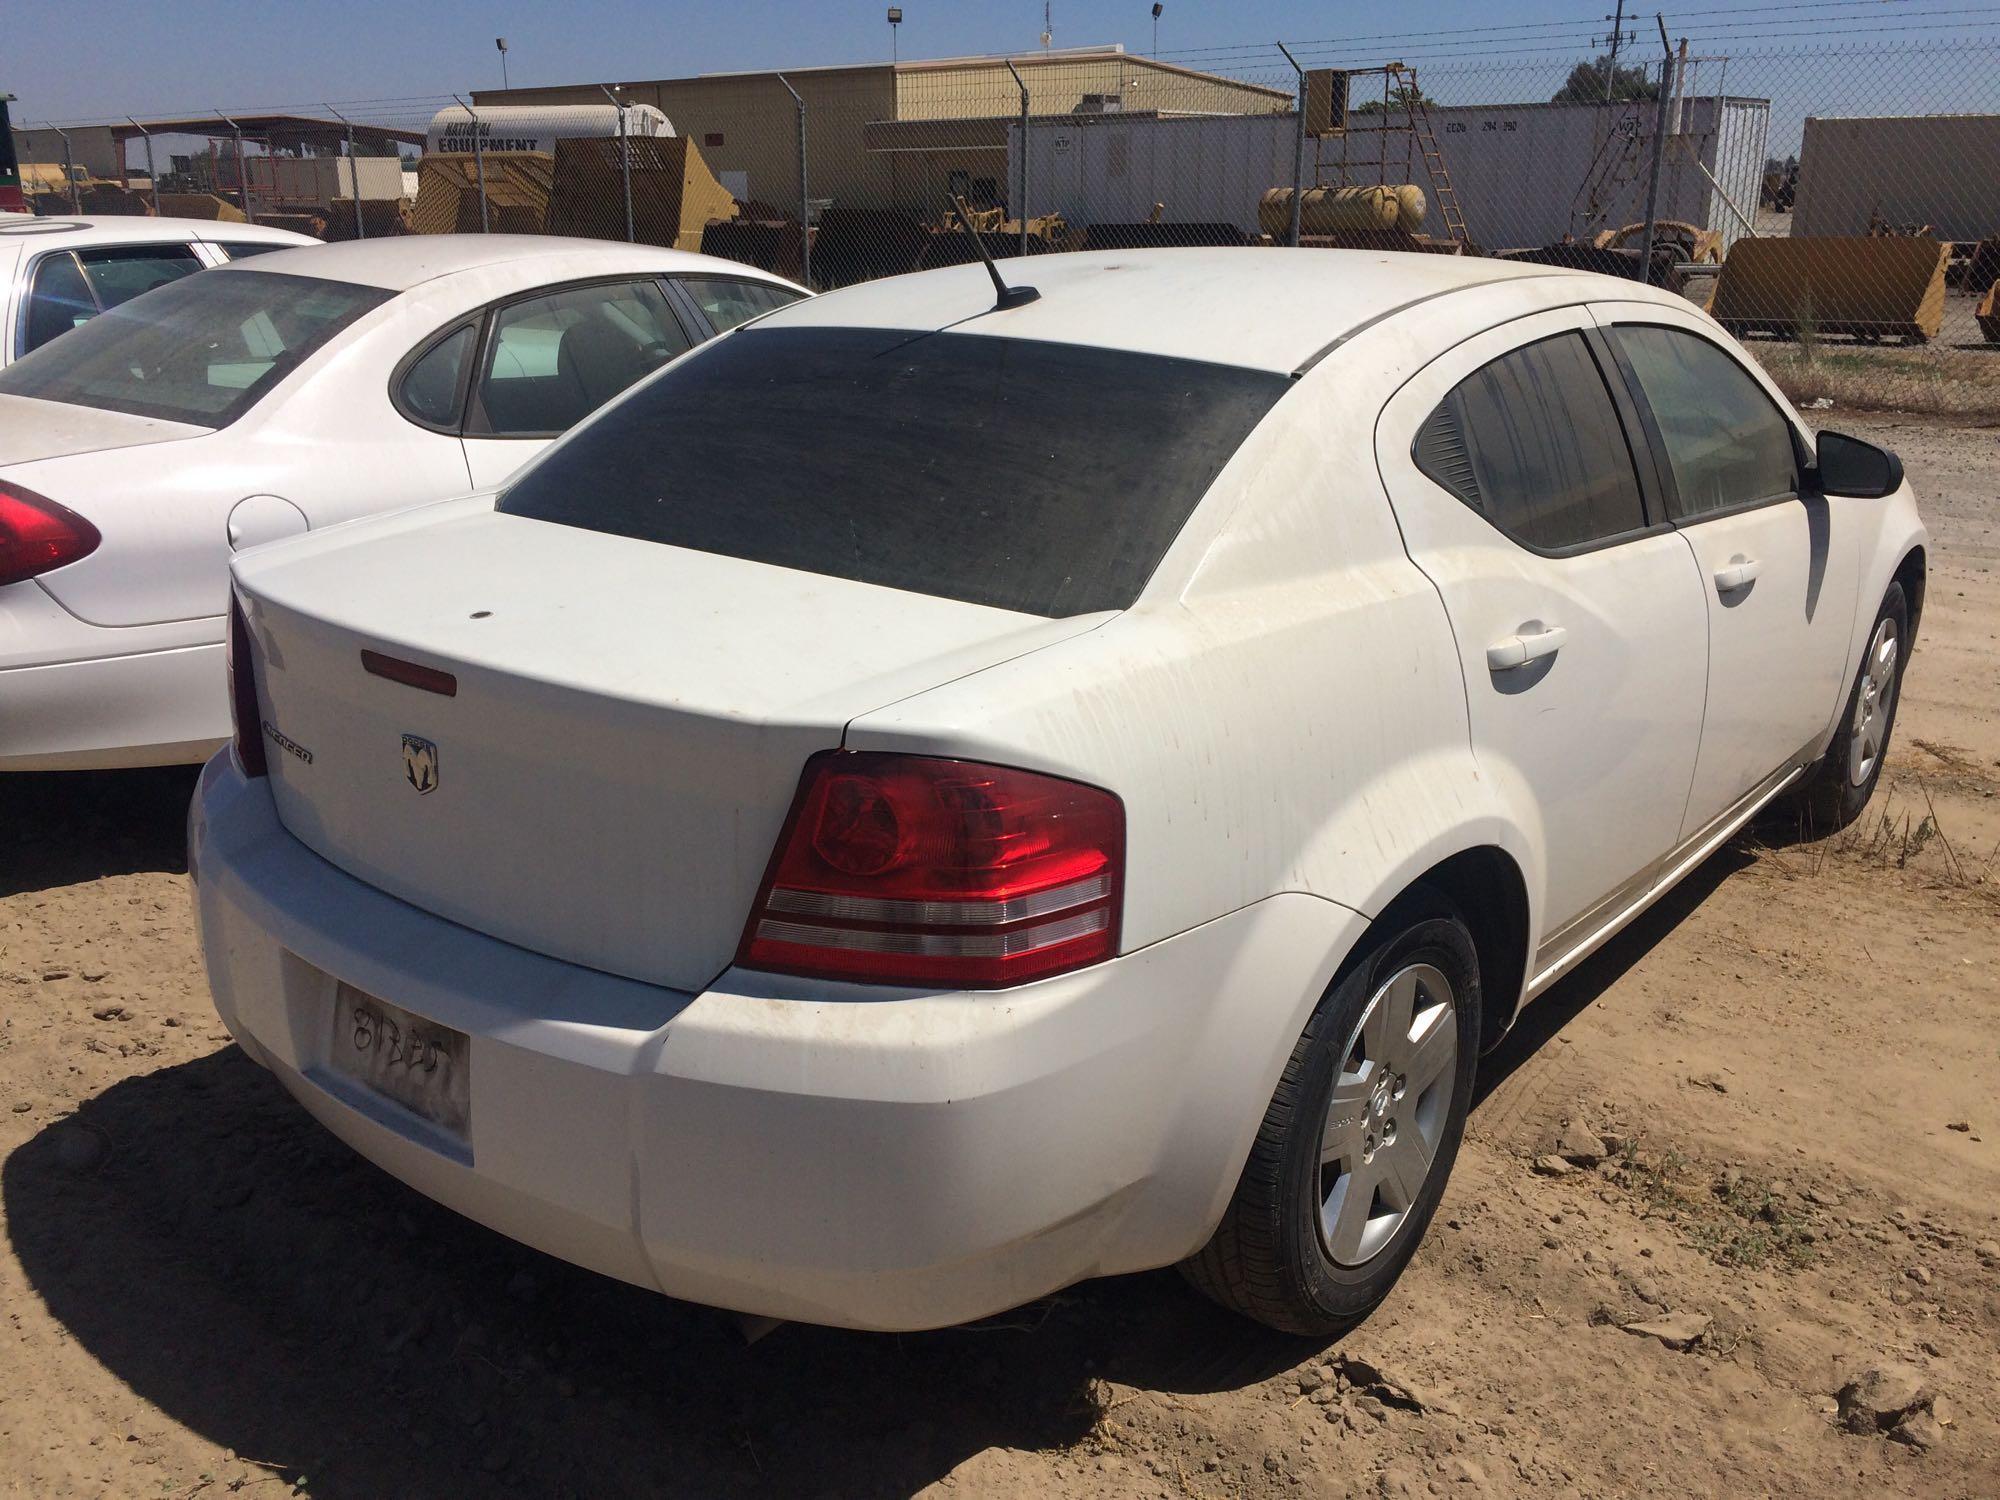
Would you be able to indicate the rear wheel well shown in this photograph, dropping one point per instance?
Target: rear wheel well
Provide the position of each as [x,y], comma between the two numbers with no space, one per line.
[1910,574]
[1488,889]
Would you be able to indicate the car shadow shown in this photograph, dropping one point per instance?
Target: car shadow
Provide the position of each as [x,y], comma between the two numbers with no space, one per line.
[63,827]
[240,1269]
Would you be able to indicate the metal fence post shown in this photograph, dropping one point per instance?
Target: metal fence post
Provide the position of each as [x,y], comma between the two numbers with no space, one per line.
[1298,151]
[353,173]
[805,200]
[242,168]
[1660,123]
[624,160]
[478,164]
[69,169]
[1021,209]
[152,173]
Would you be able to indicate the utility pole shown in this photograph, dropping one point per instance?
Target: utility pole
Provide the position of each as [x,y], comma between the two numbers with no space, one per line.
[353,173]
[1611,66]
[1660,124]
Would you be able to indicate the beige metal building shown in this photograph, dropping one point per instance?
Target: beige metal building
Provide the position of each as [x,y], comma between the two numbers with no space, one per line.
[904,135]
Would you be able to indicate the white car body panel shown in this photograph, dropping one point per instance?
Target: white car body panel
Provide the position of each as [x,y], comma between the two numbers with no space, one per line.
[1297,715]
[173,502]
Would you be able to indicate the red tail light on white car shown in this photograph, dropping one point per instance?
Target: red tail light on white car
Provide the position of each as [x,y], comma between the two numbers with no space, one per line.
[38,536]
[903,869]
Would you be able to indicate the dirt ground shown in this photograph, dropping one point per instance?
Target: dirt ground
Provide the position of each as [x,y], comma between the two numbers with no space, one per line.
[1792,1066]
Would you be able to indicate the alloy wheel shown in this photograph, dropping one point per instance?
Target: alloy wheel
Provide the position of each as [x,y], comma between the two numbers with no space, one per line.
[1387,1114]
[1873,703]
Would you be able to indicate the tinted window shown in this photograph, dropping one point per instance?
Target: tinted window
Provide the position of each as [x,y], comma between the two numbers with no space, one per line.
[431,385]
[554,360]
[60,301]
[1726,440]
[1532,442]
[244,249]
[202,350]
[727,301]
[1031,476]
[118,275]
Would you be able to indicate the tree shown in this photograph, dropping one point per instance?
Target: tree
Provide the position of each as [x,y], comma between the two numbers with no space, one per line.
[1585,84]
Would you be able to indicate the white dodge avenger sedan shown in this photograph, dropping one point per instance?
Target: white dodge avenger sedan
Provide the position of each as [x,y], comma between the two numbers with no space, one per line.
[260,400]
[925,801]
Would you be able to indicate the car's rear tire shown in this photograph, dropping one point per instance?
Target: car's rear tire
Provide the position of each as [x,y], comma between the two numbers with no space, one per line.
[1360,1136]
[1839,786]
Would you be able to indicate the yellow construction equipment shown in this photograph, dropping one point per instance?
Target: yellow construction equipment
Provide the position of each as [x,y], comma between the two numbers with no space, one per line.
[1868,287]
[1337,210]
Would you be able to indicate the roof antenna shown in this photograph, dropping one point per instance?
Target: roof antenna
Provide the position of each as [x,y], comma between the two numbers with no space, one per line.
[1005,296]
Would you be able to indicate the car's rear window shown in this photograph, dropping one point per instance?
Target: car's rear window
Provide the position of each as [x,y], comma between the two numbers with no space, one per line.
[203,349]
[1041,477]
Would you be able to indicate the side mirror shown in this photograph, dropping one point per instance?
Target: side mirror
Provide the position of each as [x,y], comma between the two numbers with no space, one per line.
[1861,471]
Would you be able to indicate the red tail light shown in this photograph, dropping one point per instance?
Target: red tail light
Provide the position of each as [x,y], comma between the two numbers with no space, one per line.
[901,869]
[37,535]
[243,694]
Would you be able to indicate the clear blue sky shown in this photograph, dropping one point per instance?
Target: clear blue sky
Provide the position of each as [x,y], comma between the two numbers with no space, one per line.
[80,61]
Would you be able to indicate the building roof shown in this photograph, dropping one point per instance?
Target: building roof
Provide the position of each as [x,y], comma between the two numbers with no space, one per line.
[1267,309]
[399,262]
[280,132]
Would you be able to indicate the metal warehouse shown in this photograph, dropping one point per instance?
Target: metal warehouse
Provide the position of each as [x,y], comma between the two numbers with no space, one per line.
[902,135]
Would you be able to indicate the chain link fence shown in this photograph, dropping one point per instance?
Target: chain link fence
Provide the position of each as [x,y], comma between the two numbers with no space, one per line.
[1837,206]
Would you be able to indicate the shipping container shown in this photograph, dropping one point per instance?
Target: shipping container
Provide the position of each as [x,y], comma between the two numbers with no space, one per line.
[1526,174]
[1940,170]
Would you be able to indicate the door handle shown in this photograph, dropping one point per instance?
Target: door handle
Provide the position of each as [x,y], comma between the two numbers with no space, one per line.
[1535,641]
[1739,573]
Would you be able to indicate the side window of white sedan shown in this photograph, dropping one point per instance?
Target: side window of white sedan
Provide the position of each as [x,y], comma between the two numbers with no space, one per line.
[1533,442]
[1726,440]
[551,361]
[431,388]
[72,287]
[727,301]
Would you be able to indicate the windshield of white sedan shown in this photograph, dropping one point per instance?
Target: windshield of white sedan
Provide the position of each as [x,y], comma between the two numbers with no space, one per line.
[1040,477]
[202,350]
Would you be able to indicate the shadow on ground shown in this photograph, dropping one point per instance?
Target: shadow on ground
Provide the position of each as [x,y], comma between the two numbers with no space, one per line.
[234,1265]
[60,828]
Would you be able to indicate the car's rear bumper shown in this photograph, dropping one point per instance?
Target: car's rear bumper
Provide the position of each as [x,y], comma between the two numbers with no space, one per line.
[810,1151]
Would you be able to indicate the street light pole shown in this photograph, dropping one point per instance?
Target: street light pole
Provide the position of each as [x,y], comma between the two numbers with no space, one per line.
[501,43]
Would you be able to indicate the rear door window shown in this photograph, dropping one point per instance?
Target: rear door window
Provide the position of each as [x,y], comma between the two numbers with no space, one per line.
[59,301]
[1533,442]
[430,387]
[726,301]
[121,272]
[1041,477]
[551,361]
[1726,441]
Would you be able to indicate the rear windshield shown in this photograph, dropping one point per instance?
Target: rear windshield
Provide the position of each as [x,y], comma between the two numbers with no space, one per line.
[1046,478]
[203,349]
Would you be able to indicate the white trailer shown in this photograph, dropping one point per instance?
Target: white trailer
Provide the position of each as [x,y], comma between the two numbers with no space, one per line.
[1938,170]
[1526,174]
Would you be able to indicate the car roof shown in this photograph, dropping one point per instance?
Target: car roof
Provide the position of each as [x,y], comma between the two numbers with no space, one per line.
[400,262]
[1261,308]
[126,229]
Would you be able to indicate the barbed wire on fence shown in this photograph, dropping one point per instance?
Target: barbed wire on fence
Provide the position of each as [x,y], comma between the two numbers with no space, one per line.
[1836,200]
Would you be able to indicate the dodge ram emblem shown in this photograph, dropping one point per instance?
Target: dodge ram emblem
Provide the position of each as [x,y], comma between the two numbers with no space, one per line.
[420,762]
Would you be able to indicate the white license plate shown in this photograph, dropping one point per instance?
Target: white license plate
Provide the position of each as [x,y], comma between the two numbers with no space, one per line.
[425,1067]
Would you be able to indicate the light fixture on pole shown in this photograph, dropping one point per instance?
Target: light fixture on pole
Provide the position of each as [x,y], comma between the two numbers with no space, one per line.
[895,20]
[501,43]
[1157,8]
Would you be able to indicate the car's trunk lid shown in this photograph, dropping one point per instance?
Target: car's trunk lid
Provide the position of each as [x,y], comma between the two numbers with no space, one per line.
[628,723]
[32,430]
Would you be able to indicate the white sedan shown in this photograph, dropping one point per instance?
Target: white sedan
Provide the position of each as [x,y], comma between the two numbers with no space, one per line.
[58,274]
[264,399]
[926,802]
